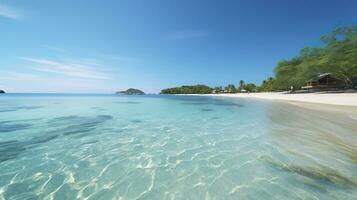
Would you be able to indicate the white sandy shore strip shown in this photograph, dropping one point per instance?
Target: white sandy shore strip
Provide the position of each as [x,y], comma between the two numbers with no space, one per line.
[343,99]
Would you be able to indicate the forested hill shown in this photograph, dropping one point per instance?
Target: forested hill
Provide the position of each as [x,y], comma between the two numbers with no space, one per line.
[337,55]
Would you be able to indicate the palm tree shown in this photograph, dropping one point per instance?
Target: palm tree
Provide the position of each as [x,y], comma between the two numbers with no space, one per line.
[231,88]
[218,89]
[241,85]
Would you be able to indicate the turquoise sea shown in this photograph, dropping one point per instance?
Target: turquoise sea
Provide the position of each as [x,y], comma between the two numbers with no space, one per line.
[174,147]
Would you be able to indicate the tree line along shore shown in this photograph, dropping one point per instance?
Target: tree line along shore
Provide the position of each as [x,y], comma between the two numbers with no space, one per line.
[336,59]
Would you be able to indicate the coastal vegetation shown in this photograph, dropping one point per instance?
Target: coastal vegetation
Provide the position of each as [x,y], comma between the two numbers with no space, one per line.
[337,56]
[204,89]
[188,89]
[230,88]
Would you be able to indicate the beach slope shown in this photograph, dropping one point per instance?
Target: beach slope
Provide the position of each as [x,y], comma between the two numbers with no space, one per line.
[343,99]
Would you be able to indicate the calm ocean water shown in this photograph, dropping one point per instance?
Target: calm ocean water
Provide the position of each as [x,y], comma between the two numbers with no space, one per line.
[159,147]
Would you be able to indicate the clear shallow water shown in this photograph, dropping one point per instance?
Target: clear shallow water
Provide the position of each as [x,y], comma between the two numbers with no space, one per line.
[156,147]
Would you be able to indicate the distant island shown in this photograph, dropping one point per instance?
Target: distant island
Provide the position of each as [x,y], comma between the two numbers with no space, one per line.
[131,91]
[2,92]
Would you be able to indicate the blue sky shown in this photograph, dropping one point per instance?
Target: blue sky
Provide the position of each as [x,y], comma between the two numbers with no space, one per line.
[108,45]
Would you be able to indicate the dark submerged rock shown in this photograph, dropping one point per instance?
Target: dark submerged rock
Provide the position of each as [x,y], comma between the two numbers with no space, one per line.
[316,173]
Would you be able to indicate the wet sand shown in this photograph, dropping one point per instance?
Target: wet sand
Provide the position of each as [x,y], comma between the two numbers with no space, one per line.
[343,99]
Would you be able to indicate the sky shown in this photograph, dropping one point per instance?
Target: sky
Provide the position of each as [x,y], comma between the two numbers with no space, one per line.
[103,46]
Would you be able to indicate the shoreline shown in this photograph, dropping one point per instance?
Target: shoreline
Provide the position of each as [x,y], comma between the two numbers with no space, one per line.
[338,99]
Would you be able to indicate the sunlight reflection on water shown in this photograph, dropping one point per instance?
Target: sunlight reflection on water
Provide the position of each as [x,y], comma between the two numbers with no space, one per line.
[158,147]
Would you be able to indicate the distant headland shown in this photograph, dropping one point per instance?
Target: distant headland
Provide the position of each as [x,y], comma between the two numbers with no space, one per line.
[188,89]
[131,91]
[2,92]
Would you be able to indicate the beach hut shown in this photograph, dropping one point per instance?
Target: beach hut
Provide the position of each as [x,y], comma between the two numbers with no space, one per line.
[324,82]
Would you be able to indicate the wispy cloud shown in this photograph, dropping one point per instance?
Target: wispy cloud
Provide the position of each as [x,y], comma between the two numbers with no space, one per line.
[76,69]
[182,35]
[8,12]
[27,82]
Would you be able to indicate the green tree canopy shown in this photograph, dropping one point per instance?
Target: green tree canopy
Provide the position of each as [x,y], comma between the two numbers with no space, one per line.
[188,89]
[231,88]
[337,55]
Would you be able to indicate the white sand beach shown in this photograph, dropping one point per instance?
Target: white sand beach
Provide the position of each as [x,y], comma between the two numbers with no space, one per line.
[343,99]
